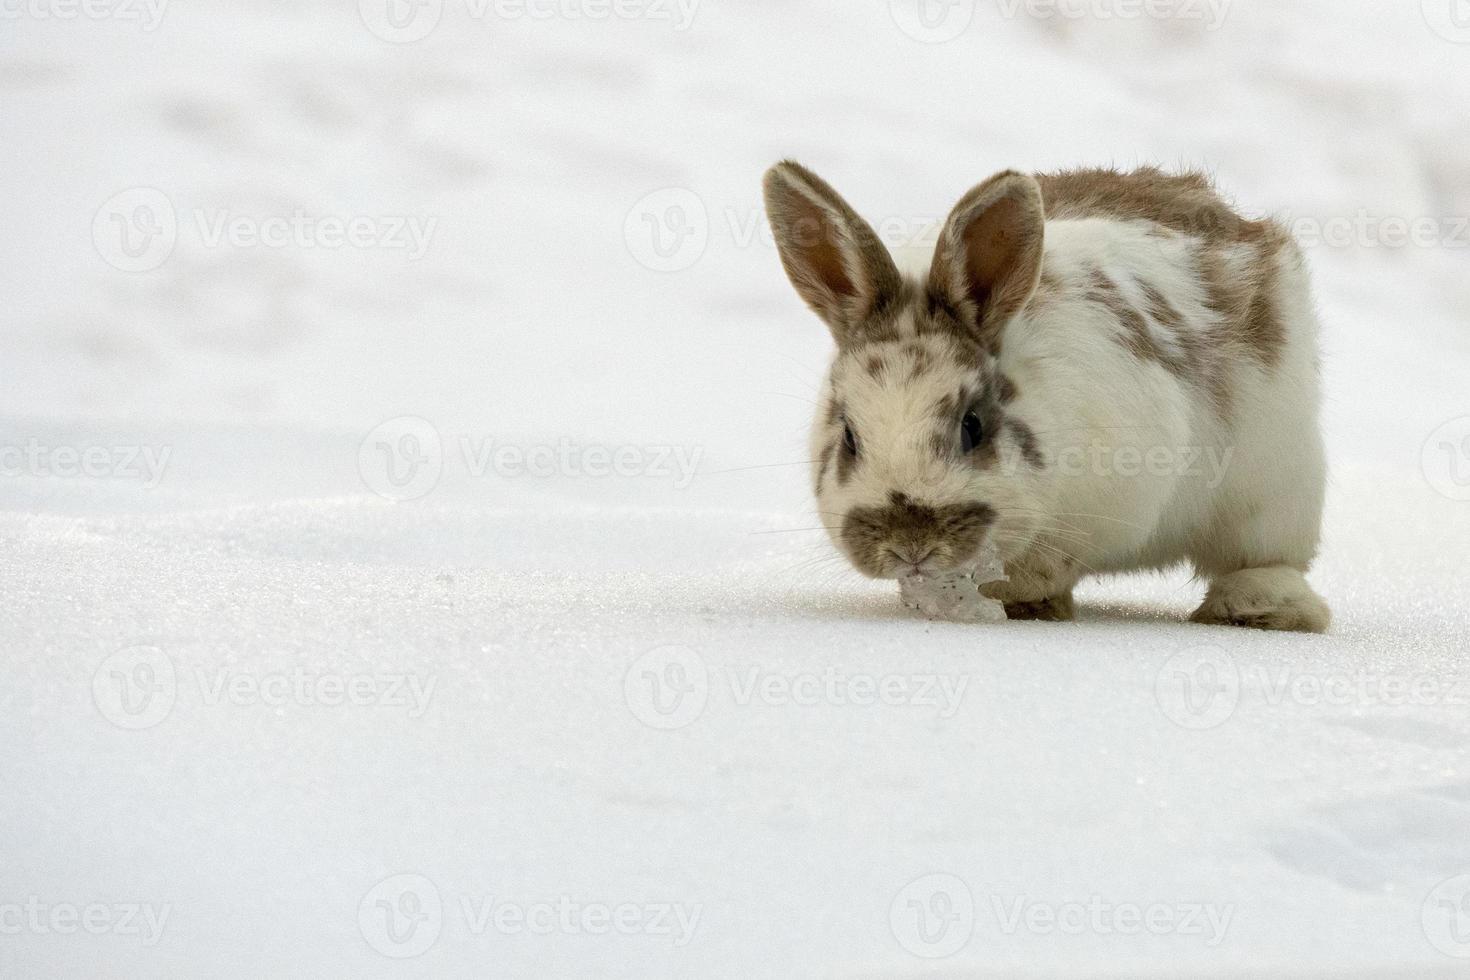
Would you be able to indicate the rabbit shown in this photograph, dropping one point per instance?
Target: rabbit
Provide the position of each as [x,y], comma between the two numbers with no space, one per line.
[1091,371]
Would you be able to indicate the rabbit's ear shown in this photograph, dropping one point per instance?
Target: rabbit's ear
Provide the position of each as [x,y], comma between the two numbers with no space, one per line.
[831,255]
[988,259]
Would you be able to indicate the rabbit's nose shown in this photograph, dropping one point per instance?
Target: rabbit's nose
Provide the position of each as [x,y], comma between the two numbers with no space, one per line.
[911,554]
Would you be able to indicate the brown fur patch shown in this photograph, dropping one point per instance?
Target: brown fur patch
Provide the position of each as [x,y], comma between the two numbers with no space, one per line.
[1160,309]
[1026,439]
[1195,359]
[1135,336]
[1186,203]
[1244,299]
[955,530]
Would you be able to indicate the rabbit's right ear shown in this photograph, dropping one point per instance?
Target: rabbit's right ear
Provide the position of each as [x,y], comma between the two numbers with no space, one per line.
[832,256]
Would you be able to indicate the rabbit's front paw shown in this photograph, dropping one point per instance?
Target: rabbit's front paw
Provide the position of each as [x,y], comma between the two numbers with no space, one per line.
[1274,598]
[1052,609]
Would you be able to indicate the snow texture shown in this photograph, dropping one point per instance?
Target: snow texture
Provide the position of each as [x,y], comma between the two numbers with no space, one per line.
[409,564]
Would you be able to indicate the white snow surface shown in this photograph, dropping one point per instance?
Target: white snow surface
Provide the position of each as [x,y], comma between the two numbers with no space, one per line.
[648,725]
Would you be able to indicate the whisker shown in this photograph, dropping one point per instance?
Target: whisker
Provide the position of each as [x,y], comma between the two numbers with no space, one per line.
[789,530]
[784,394]
[761,466]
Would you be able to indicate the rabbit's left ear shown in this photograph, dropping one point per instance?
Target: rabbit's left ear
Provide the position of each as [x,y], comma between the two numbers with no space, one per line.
[832,256]
[988,259]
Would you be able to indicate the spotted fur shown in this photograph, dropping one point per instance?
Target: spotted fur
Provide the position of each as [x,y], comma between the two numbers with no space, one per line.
[1076,318]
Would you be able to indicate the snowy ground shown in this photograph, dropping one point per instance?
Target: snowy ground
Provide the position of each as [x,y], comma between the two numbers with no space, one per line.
[306,679]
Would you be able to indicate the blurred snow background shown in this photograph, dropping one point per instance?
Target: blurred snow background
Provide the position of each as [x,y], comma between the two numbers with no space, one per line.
[396,555]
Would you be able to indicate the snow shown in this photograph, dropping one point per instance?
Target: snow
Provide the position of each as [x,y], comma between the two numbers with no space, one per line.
[540,709]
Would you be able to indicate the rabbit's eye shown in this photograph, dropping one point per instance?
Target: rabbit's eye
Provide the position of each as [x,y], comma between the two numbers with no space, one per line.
[971,432]
[849,441]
